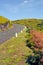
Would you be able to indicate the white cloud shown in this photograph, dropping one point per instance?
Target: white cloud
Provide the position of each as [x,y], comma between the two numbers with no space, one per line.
[23,5]
[31,3]
[25,1]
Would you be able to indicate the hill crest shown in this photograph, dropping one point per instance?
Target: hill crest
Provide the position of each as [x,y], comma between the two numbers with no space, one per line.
[3,20]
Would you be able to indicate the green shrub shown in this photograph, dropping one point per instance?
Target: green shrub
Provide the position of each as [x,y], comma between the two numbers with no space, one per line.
[30,44]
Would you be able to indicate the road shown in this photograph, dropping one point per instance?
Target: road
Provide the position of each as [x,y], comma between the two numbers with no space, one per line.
[5,35]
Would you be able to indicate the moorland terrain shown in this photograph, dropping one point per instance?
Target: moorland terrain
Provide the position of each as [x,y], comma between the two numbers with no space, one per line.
[27,48]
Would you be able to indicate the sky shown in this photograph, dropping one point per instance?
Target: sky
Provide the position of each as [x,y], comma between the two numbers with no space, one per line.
[21,9]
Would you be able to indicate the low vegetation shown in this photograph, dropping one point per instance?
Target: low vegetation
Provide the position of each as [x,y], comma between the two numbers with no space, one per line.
[22,50]
[5,23]
[14,51]
[34,42]
[3,20]
[31,23]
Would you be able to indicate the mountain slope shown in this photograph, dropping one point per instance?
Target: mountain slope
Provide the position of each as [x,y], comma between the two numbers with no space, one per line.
[29,22]
[3,20]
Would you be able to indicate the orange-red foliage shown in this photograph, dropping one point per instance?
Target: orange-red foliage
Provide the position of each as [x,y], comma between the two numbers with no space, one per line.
[37,38]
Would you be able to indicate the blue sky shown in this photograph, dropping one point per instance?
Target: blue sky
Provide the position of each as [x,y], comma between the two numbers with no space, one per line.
[19,9]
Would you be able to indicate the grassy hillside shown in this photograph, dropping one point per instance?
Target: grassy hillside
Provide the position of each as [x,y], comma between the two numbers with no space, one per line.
[33,23]
[14,51]
[3,20]
[29,22]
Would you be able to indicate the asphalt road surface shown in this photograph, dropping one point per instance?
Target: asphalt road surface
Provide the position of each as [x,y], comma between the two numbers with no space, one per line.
[6,35]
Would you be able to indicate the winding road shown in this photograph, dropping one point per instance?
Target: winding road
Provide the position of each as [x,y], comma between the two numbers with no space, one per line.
[5,35]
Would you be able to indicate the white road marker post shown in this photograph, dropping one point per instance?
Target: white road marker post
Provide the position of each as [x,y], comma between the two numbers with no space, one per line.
[16,34]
